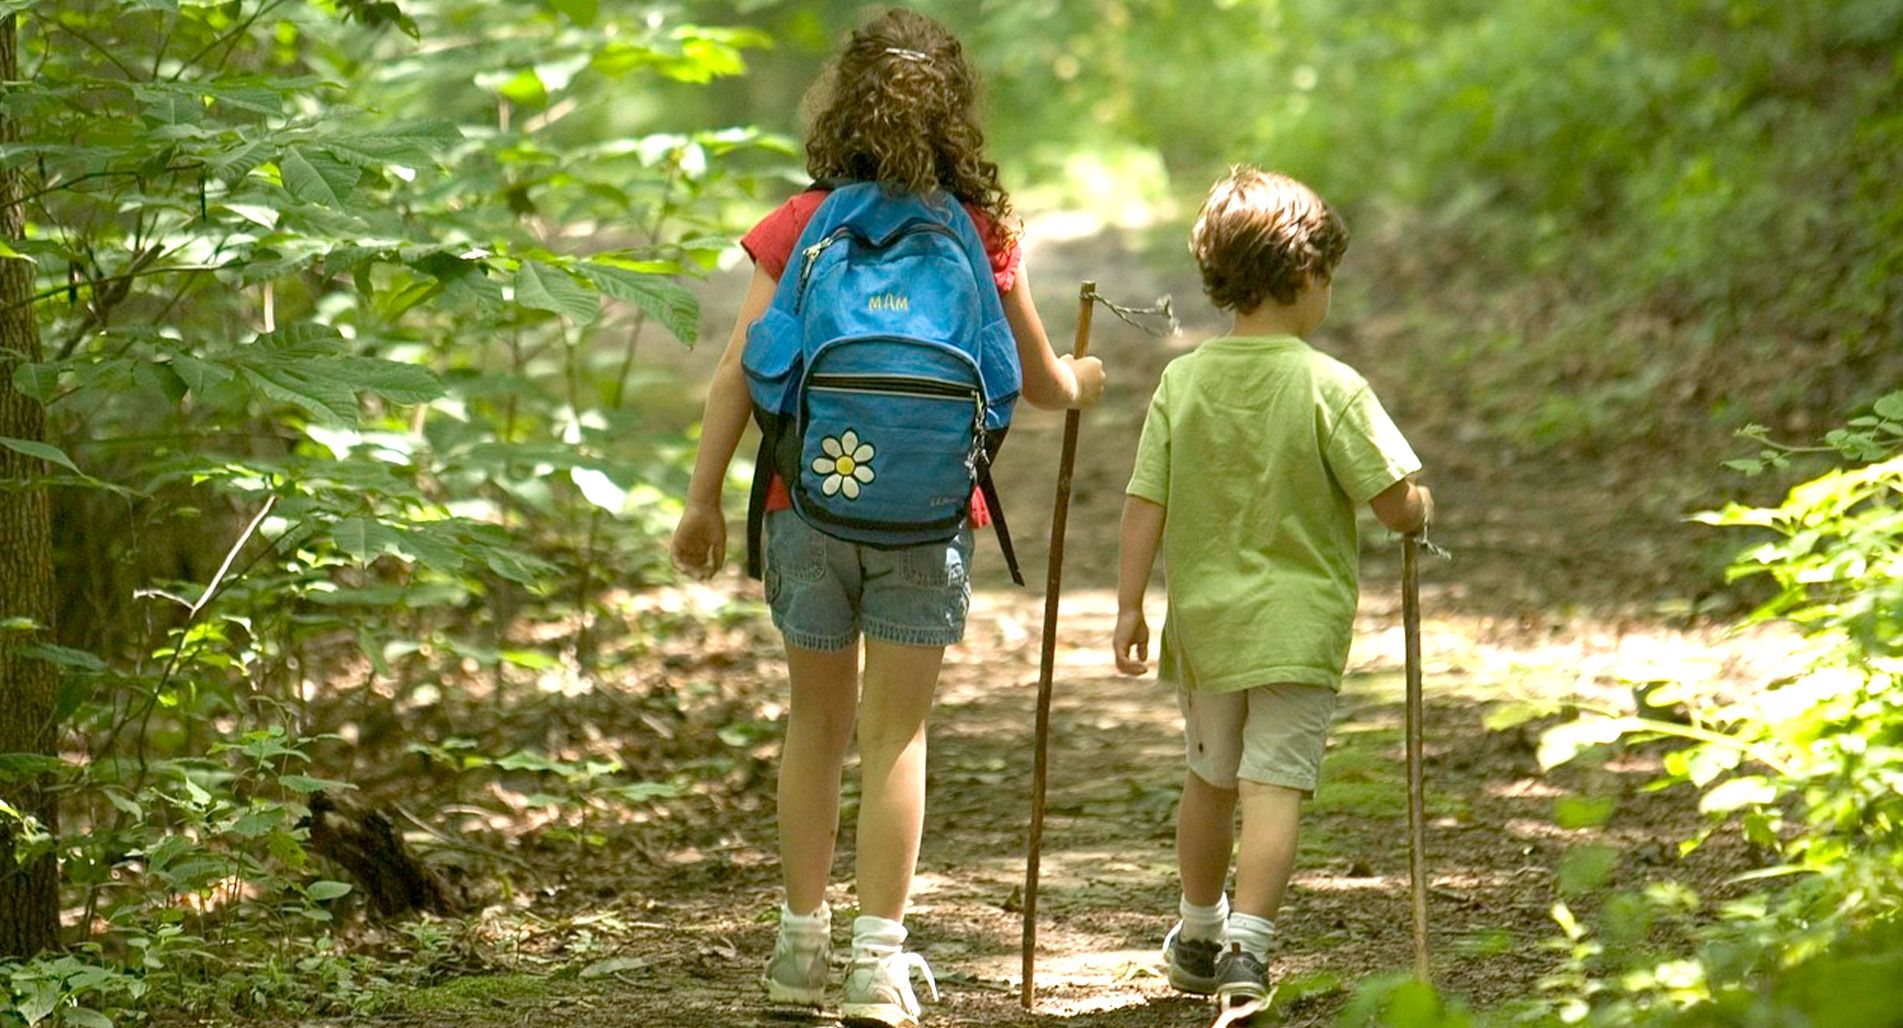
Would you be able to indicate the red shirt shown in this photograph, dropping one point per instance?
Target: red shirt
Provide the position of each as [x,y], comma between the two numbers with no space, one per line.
[771,243]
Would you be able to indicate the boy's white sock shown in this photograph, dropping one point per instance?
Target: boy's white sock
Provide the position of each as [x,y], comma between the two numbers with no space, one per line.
[1255,934]
[876,937]
[1204,924]
[819,922]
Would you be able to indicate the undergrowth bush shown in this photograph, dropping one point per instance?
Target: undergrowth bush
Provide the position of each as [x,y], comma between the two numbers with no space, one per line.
[1808,768]
[351,458]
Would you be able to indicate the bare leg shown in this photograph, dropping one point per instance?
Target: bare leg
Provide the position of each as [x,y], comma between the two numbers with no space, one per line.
[1270,819]
[893,708]
[818,730]
[1205,838]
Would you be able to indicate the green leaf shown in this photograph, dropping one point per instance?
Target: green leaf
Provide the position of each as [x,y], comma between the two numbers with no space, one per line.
[66,657]
[35,999]
[286,849]
[524,89]
[409,143]
[316,178]
[1891,406]
[258,821]
[664,299]
[84,1017]
[168,107]
[362,538]
[72,695]
[16,767]
[250,93]
[327,890]
[547,288]
[302,385]
[1583,811]
[200,376]
[396,381]
[49,454]
[234,164]
[37,381]
[307,784]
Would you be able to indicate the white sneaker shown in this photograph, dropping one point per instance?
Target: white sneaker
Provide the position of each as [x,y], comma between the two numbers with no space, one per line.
[879,990]
[797,971]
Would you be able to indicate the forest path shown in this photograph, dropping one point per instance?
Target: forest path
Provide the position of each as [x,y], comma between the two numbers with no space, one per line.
[1536,607]
[681,907]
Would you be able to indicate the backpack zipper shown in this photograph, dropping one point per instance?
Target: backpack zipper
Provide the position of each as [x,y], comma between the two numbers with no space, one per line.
[810,255]
[896,385]
[922,388]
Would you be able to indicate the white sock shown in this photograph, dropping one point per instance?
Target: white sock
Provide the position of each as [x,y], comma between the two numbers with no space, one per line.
[1255,934]
[819,922]
[1204,924]
[876,937]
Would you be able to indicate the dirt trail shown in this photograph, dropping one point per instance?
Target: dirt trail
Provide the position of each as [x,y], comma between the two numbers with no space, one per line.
[686,901]
[683,904]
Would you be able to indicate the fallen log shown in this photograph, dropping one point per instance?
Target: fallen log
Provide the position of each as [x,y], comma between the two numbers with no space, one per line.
[363,842]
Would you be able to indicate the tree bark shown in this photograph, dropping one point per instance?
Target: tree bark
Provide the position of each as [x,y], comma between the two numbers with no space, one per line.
[29,892]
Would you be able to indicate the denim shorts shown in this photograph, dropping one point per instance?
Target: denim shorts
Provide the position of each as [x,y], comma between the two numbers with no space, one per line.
[824,591]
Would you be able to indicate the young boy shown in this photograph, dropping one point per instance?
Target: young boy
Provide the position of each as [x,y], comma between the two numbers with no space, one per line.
[1255,455]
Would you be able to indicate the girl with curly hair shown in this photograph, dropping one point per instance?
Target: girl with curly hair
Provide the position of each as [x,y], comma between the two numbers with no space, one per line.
[895,106]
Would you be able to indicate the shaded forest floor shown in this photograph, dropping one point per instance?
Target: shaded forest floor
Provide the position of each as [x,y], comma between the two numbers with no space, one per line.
[666,923]
[664,918]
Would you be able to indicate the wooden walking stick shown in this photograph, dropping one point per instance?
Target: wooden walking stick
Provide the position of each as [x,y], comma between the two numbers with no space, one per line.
[1416,785]
[1053,586]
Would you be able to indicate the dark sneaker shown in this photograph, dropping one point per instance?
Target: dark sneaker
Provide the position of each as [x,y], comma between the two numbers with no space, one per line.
[1191,962]
[1242,981]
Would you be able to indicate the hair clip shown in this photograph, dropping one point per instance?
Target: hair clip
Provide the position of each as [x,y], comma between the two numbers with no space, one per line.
[910,55]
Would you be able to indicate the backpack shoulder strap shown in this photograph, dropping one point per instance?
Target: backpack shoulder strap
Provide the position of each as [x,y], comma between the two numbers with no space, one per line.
[756,509]
[990,491]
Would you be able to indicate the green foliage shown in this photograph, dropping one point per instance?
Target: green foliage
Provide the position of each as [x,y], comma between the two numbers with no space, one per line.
[1606,227]
[344,303]
[1809,769]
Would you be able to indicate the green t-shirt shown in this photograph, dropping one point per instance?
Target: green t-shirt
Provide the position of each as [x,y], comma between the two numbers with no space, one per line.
[1261,449]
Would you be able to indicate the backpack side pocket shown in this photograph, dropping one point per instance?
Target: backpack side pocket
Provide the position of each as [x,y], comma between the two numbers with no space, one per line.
[772,359]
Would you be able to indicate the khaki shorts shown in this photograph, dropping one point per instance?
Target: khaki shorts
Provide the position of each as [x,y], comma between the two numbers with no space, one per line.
[1270,734]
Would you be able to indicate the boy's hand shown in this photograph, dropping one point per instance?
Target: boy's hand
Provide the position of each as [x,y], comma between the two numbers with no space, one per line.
[1089,375]
[700,541]
[1131,642]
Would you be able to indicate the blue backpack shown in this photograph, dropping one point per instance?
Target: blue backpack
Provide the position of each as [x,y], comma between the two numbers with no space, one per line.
[883,374]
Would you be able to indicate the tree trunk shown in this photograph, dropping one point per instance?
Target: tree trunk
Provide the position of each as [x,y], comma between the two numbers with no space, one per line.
[29,893]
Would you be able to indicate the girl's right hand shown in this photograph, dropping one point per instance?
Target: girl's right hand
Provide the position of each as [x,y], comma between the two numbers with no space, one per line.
[1088,373]
[700,541]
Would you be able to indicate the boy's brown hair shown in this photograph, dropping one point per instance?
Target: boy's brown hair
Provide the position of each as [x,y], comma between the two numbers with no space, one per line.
[1262,234]
[897,106]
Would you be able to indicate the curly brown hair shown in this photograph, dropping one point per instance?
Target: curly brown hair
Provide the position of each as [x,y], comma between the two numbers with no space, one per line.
[896,106]
[1263,234]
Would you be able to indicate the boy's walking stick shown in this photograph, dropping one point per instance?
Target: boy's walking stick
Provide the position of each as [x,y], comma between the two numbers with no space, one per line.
[1416,786]
[1047,662]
